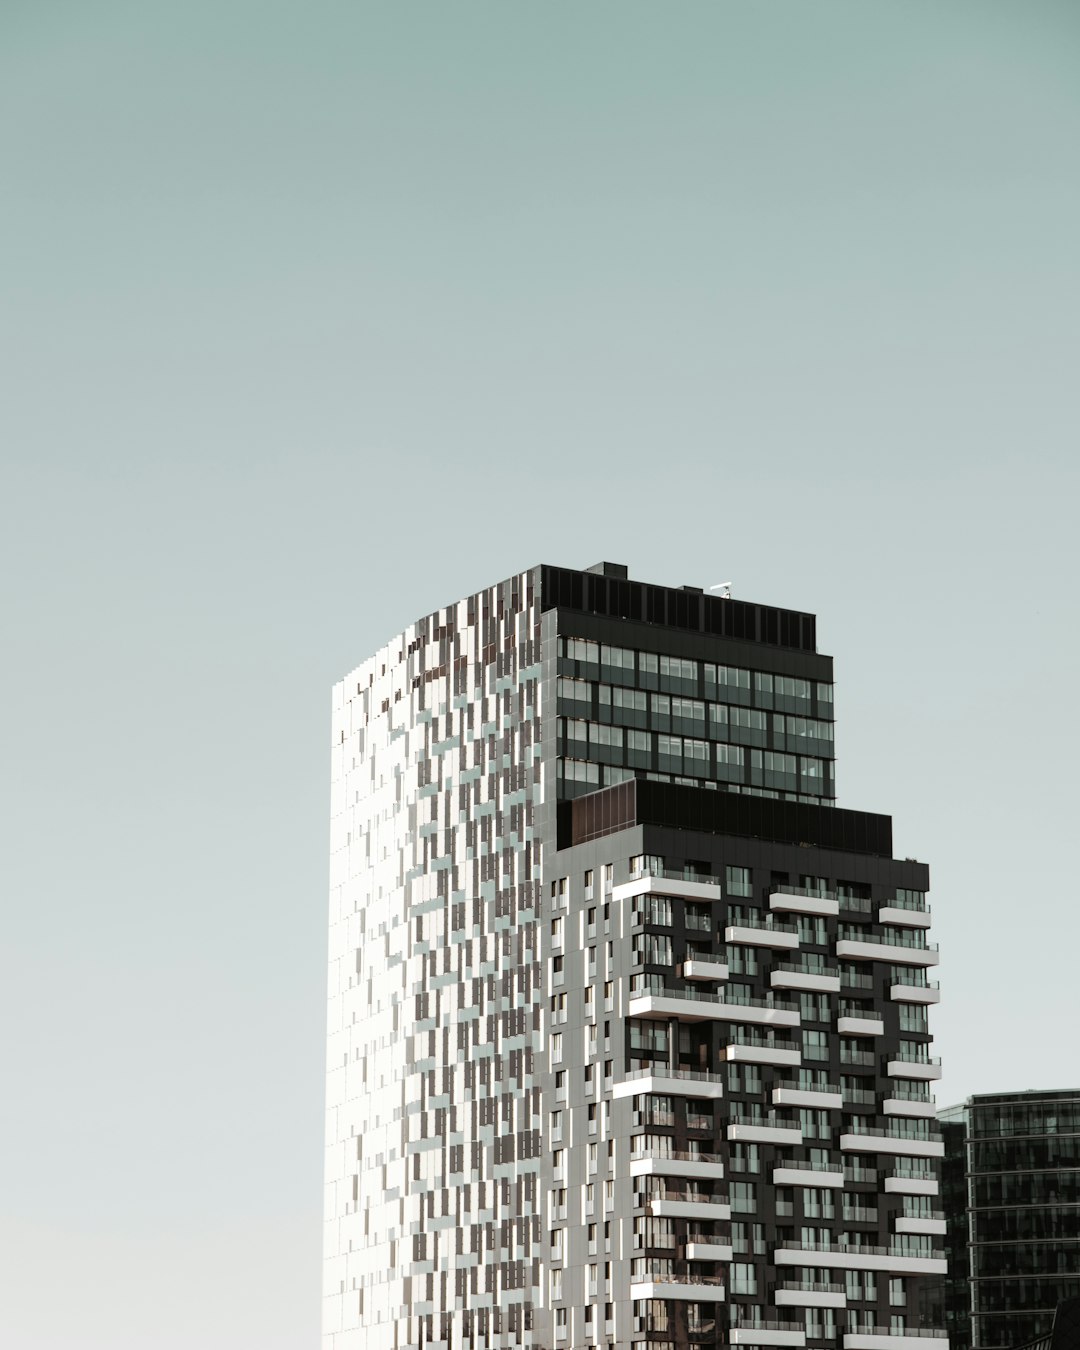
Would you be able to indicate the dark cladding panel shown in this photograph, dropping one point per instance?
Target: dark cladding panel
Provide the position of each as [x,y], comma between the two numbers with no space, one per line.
[599,593]
[640,802]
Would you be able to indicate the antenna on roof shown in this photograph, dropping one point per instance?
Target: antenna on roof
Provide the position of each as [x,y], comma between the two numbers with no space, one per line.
[724,587]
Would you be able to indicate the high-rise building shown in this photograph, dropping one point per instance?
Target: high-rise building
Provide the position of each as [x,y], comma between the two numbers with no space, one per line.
[628,1039]
[1012,1199]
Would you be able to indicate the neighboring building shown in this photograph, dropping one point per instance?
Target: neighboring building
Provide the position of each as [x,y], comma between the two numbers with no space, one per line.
[628,1036]
[1012,1200]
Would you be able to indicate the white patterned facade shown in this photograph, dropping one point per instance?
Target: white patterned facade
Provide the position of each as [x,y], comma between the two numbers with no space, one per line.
[433,1114]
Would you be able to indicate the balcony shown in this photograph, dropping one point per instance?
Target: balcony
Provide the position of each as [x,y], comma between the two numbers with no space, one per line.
[792,1172]
[749,1050]
[860,1024]
[788,975]
[912,1107]
[932,1225]
[904,991]
[794,900]
[702,968]
[767,1333]
[825,1097]
[692,1005]
[763,1130]
[687,1205]
[765,933]
[674,1082]
[692,886]
[895,1260]
[873,948]
[810,1295]
[883,1141]
[663,1000]
[884,1338]
[923,1069]
[903,1181]
[707,1249]
[677,1163]
[904,918]
[705,1289]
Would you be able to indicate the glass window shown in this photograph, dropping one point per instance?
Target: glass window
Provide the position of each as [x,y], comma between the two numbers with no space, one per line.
[584,652]
[678,674]
[743,1276]
[729,762]
[648,670]
[728,683]
[629,707]
[688,714]
[669,753]
[617,664]
[737,881]
[743,1196]
[815,1045]
[695,757]
[913,1017]
[745,1158]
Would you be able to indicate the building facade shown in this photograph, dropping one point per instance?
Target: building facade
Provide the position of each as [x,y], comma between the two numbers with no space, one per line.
[628,1022]
[1012,1199]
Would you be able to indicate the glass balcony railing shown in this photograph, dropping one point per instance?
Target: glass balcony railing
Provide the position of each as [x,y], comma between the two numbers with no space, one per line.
[903,1334]
[740,1037]
[801,1165]
[904,1092]
[762,1324]
[674,874]
[920,1056]
[644,986]
[855,1126]
[913,939]
[639,1152]
[827,1245]
[800,968]
[765,923]
[768,1122]
[853,980]
[732,994]
[913,900]
[686,1197]
[863,1058]
[802,890]
[663,1071]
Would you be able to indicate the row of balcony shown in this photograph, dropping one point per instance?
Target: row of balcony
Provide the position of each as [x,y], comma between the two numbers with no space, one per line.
[813,979]
[654,997]
[787,1172]
[782,899]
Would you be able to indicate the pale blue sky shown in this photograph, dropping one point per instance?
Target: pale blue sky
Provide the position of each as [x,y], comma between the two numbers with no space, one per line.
[315,317]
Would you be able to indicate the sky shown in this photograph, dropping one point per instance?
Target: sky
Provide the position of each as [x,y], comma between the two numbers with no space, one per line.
[314,318]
